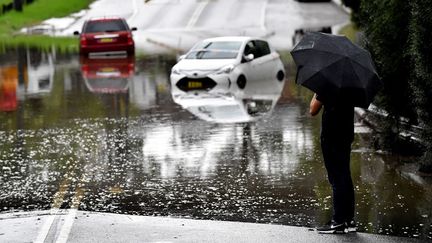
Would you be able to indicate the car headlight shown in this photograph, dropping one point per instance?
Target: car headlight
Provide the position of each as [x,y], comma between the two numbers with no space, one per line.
[175,70]
[226,69]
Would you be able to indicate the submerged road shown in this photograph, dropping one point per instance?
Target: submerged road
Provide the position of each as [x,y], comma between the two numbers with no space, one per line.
[78,164]
[175,25]
[86,142]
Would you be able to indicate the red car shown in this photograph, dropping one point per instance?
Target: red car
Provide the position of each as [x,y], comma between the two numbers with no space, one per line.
[106,36]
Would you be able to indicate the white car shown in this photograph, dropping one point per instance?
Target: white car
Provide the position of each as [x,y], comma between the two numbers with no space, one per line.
[225,61]
[221,80]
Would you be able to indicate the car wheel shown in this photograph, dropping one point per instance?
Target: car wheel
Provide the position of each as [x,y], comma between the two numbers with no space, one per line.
[241,82]
[280,75]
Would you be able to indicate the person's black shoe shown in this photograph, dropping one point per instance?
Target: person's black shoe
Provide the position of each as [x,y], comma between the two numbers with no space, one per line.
[351,226]
[333,227]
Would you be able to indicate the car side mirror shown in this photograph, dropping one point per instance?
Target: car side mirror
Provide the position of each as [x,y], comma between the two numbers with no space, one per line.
[249,57]
[76,33]
[134,29]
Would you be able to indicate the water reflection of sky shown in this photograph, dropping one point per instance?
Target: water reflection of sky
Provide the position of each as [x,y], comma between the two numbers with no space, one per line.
[138,152]
[271,146]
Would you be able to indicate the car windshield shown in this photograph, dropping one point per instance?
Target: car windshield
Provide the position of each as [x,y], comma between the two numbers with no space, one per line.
[105,26]
[215,50]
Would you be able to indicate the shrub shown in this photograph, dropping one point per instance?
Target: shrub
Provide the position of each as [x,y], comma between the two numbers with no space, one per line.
[420,52]
[398,36]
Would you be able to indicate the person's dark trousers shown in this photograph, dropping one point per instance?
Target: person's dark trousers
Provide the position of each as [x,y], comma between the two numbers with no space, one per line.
[337,162]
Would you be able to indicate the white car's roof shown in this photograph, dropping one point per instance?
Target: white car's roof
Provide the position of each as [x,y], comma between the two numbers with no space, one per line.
[229,38]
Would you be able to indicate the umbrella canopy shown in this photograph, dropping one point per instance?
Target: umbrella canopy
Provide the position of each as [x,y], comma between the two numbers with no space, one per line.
[336,69]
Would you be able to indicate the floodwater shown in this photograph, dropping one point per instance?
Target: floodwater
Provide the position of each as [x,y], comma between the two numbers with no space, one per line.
[108,136]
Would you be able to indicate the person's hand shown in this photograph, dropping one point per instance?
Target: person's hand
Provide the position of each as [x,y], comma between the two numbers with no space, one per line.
[315,106]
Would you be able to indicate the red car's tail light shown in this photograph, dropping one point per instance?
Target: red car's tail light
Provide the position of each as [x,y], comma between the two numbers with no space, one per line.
[130,39]
[83,40]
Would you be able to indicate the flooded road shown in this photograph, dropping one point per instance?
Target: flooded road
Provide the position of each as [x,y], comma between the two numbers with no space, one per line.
[107,136]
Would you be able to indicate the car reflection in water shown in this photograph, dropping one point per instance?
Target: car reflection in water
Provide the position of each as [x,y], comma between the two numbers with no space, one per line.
[222,104]
[28,75]
[8,88]
[107,74]
[40,73]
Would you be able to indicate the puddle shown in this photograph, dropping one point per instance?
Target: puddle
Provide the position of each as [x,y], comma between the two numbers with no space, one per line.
[109,134]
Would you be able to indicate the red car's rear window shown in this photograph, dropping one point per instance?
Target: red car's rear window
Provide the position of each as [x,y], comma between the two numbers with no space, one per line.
[112,25]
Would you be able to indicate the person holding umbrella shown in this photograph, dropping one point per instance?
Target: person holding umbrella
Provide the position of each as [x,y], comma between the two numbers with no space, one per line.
[337,134]
[342,76]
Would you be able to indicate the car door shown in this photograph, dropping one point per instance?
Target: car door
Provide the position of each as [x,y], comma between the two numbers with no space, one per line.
[251,69]
[264,61]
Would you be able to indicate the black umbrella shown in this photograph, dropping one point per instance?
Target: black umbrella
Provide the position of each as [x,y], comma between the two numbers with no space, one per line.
[336,69]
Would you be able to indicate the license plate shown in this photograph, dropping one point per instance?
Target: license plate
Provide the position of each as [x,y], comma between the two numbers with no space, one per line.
[195,84]
[106,40]
[107,70]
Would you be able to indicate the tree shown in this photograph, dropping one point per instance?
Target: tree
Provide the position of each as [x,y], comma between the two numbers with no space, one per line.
[420,52]
[398,36]
[18,5]
[385,23]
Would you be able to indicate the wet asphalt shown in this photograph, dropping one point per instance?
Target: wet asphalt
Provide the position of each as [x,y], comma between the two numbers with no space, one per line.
[79,226]
[124,146]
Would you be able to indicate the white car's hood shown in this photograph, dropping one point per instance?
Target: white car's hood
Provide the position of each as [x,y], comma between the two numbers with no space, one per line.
[203,64]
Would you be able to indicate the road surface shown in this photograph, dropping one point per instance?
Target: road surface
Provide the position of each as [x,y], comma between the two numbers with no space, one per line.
[175,25]
[78,226]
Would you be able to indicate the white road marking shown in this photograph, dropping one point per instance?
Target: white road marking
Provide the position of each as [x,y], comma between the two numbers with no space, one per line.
[197,13]
[43,233]
[55,208]
[67,226]
[70,217]
[54,213]
[135,9]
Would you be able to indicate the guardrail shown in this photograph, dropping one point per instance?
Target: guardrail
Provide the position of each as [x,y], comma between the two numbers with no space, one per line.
[406,130]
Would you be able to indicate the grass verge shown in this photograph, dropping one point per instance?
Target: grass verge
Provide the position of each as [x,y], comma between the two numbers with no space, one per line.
[35,13]
[61,44]
[350,31]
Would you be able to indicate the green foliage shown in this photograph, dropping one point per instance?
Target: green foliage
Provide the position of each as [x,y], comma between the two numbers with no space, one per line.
[398,36]
[386,26]
[35,13]
[41,10]
[4,2]
[420,52]
[385,23]
[42,42]
[350,31]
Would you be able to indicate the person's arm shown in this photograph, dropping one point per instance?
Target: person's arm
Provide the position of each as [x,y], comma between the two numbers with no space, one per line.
[315,106]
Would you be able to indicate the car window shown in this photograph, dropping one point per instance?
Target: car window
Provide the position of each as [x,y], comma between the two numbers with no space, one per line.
[105,26]
[258,48]
[250,48]
[215,50]
[263,48]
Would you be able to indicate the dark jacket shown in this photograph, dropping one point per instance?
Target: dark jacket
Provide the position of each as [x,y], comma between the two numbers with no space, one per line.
[337,124]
